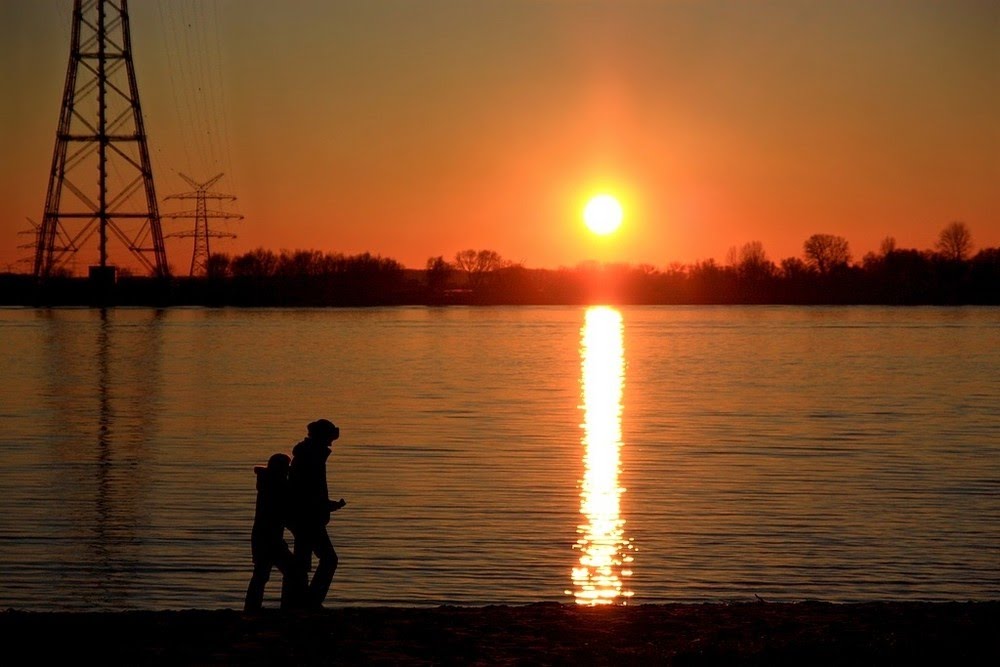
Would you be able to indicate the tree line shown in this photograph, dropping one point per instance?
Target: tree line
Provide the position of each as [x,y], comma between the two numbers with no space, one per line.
[825,273]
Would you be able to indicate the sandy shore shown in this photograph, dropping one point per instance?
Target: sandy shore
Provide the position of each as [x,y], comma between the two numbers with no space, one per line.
[808,633]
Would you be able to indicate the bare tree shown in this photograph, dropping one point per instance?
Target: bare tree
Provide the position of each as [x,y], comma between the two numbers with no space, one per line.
[477,264]
[465,260]
[259,263]
[733,256]
[888,246]
[753,262]
[825,251]
[489,260]
[677,269]
[299,263]
[955,241]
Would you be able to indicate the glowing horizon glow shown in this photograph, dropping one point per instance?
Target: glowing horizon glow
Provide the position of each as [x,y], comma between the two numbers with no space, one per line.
[605,558]
[603,214]
[549,117]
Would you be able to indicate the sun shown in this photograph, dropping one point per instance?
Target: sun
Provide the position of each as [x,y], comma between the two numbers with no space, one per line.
[603,214]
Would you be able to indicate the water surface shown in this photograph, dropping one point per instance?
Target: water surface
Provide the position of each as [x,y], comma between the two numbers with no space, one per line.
[507,454]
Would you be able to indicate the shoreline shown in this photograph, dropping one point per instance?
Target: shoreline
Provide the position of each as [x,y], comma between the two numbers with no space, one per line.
[944,285]
[763,633]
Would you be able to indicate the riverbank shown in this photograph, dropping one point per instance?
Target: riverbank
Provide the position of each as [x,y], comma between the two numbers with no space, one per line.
[759,633]
[935,283]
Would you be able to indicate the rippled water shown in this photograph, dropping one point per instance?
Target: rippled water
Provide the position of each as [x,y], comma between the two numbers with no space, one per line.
[507,454]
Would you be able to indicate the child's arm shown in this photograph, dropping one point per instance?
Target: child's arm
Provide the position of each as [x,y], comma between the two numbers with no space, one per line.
[337,504]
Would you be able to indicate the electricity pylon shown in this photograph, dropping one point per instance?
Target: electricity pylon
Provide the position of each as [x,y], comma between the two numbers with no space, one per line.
[31,245]
[100,133]
[201,215]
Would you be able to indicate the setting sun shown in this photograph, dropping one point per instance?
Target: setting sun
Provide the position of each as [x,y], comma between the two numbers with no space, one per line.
[603,214]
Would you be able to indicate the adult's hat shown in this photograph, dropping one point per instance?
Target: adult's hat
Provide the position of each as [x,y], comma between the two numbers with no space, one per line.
[323,429]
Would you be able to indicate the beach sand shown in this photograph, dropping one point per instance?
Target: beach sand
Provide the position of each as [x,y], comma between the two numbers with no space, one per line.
[760,633]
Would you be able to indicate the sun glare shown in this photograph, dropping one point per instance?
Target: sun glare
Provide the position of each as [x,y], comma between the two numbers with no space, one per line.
[603,214]
[606,553]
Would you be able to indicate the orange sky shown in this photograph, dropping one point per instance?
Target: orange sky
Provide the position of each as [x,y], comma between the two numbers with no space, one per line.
[417,129]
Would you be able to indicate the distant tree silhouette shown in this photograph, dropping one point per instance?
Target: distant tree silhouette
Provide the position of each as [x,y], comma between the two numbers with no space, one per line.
[904,276]
[676,270]
[888,245]
[217,266]
[301,263]
[824,252]
[754,272]
[260,277]
[259,263]
[438,273]
[793,268]
[955,241]
[753,262]
[985,275]
[512,283]
[733,256]
[711,283]
[988,258]
[478,264]
[369,266]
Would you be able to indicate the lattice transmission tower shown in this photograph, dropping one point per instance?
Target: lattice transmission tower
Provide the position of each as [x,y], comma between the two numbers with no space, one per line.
[100,134]
[34,231]
[201,216]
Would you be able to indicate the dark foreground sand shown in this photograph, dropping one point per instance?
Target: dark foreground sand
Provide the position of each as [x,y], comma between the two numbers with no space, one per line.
[808,633]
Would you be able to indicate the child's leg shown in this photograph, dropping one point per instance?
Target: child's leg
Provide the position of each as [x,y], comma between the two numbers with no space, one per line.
[255,591]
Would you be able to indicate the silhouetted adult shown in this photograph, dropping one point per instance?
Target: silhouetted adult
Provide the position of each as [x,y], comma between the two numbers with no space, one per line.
[310,512]
[267,539]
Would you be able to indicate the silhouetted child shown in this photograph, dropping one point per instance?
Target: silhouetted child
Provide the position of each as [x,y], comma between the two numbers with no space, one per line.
[267,540]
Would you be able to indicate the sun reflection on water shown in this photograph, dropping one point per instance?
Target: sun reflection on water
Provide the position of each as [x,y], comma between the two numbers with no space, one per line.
[605,558]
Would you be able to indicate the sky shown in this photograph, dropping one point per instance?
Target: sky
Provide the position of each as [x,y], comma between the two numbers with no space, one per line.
[415,129]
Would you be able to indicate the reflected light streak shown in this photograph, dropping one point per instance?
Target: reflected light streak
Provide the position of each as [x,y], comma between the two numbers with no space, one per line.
[606,553]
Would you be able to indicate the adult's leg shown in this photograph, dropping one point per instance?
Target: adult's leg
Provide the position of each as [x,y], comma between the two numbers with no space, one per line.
[325,568]
[295,589]
[303,549]
[294,582]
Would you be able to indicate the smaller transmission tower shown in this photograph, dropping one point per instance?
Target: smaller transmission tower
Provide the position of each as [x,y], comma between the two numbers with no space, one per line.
[201,216]
[34,232]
